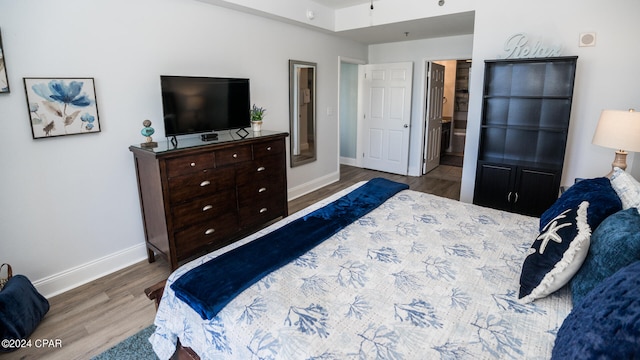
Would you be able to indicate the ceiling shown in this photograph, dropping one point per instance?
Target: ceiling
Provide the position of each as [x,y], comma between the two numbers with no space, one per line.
[339,4]
[433,27]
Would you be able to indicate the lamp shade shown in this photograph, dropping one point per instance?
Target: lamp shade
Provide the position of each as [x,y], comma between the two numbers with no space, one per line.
[618,129]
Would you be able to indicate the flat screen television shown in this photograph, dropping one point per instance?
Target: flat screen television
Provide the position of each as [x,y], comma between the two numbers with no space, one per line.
[193,105]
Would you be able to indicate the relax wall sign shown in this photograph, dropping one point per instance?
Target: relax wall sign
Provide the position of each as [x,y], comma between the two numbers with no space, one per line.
[518,46]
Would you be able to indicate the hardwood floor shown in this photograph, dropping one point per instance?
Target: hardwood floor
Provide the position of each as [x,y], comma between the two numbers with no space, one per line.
[443,181]
[94,317]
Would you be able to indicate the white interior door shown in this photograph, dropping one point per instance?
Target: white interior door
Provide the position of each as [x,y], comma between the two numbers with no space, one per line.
[386,116]
[433,117]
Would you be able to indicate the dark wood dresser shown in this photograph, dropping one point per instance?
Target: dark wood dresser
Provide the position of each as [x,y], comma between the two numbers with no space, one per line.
[199,196]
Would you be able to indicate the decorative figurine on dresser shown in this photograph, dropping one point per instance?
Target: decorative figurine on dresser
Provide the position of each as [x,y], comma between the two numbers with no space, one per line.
[199,196]
[147,131]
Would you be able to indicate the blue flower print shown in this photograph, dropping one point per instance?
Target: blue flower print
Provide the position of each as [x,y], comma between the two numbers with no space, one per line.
[60,92]
[58,97]
[88,119]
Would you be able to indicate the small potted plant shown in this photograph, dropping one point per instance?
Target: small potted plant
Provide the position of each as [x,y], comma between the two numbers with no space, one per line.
[257,113]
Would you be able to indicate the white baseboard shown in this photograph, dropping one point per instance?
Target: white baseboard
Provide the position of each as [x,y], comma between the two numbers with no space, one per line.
[348,161]
[80,275]
[310,186]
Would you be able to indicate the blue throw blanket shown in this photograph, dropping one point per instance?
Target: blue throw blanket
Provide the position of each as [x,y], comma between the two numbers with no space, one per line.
[212,285]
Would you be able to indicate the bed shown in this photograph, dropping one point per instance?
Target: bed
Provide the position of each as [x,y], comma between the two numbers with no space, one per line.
[417,277]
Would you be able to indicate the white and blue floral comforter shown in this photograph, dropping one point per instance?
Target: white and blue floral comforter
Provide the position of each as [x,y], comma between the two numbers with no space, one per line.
[420,277]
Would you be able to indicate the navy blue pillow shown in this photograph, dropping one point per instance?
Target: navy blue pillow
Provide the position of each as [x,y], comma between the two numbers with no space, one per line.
[21,310]
[606,325]
[603,201]
[614,244]
[556,255]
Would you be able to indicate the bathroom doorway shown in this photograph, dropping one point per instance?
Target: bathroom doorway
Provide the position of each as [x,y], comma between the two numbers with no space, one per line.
[454,110]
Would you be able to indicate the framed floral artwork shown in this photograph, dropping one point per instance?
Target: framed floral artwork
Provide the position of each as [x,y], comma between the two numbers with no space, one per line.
[4,81]
[61,106]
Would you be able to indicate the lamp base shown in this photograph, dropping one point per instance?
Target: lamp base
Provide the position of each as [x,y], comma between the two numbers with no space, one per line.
[620,161]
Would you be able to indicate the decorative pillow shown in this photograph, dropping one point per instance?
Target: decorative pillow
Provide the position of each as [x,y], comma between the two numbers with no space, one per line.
[21,310]
[556,255]
[602,198]
[627,188]
[614,245]
[606,325]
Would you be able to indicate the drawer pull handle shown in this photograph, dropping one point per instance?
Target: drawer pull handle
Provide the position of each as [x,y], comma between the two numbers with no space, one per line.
[235,156]
[208,207]
[262,190]
[209,231]
[263,210]
[268,148]
[192,164]
[261,168]
[205,183]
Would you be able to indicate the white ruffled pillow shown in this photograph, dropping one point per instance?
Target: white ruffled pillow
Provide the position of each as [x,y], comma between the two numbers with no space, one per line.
[627,188]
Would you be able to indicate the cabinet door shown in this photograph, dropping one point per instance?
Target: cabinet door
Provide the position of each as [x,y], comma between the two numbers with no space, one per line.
[536,191]
[494,184]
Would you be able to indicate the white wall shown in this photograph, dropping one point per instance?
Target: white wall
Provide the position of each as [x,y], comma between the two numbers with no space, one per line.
[606,75]
[419,51]
[70,208]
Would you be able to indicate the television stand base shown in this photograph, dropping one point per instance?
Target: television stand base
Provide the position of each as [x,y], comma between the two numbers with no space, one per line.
[209,137]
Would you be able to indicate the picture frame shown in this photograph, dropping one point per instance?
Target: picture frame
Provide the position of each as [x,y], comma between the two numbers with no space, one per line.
[4,80]
[61,106]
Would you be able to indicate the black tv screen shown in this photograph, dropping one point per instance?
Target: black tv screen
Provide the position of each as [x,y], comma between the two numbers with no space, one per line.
[194,105]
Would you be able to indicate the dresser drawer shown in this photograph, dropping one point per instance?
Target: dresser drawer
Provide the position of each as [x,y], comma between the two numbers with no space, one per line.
[234,155]
[253,193]
[190,164]
[205,235]
[268,148]
[204,183]
[202,209]
[262,210]
[264,170]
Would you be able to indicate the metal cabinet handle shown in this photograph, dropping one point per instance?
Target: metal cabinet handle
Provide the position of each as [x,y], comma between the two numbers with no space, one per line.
[207,207]
[263,210]
[509,196]
[516,199]
[235,156]
[268,148]
[205,183]
[262,189]
[261,168]
[192,164]
[209,231]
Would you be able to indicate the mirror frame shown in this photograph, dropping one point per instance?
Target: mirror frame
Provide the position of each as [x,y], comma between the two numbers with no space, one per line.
[309,155]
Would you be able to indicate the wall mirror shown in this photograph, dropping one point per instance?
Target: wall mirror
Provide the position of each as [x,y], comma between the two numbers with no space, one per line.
[302,112]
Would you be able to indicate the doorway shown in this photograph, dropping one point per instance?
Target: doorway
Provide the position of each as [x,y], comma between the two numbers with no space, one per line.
[348,106]
[375,112]
[455,109]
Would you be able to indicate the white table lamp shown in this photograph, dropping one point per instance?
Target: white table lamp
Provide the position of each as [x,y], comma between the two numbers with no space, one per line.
[620,130]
